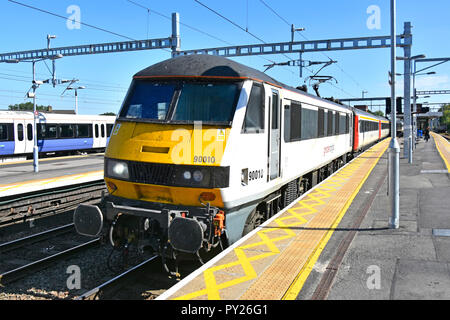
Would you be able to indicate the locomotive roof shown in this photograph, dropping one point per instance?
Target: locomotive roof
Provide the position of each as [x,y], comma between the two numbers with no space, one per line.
[210,66]
[203,66]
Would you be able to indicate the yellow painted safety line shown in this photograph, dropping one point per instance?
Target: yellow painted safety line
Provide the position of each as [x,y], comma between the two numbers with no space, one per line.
[313,200]
[46,159]
[47,181]
[443,147]
[297,285]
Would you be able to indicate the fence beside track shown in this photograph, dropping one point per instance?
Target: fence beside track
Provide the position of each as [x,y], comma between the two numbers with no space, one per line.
[31,205]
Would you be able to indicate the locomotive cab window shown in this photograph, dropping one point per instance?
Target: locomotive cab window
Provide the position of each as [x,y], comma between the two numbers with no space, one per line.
[181,101]
[214,102]
[254,115]
[148,100]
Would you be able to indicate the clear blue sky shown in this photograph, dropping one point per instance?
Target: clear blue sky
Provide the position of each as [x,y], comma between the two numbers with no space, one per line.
[107,76]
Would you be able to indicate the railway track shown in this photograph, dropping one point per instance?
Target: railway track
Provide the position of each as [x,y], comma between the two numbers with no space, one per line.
[18,243]
[14,253]
[31,205]
[107,289]
[446,136]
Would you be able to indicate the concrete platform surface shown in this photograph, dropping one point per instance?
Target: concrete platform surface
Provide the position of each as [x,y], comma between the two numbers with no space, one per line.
[412,262]
[19,177]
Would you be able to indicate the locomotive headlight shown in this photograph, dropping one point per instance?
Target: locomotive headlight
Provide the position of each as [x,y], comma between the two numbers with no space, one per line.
[187,175]
[118,169]
[198,175]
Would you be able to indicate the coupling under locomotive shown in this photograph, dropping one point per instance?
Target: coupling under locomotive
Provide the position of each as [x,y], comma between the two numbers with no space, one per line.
[204,149]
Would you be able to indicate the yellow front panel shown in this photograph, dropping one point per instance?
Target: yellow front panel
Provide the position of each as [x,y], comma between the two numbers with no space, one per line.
[170,144]
[167,143]
[162,194]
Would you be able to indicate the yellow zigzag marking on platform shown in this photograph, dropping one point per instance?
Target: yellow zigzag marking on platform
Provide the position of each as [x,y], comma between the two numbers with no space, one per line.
[313,200]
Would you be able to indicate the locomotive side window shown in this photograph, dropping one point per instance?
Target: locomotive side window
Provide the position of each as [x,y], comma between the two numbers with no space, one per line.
[309,124]
[336,123]
[295,121]
[342,124]
[347,123]
[321,123]
[29,132]
[96,130]
[330,123]
[254,115]
[102,126]
[20,132]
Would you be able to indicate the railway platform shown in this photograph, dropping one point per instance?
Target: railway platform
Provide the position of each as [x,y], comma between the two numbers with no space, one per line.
[19,178]
[334,242]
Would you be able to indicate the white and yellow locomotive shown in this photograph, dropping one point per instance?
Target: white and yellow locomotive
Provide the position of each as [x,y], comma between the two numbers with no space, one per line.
[204,149]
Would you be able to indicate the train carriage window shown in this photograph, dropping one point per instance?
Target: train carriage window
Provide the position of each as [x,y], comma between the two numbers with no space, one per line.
[66,131]
[254,115]
[321,123]
[109,127]
[29,132]
[50,132]
[46,131]
[96,130]
[330,123]
[309,124]
[20,132]
[82,131]
[102,127]
[3,132]
[342,124]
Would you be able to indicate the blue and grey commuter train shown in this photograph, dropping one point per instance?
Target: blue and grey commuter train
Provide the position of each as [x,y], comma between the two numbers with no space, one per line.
[56,133]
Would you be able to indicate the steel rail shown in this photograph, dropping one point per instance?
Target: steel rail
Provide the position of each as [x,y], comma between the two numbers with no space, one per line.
[20,272]
[44,235]
[95,293]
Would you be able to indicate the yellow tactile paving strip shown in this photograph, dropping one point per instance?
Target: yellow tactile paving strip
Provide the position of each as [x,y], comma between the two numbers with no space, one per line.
[274,262]
[443,147]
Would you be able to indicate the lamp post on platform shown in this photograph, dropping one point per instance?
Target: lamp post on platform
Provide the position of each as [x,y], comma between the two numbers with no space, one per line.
[394,147]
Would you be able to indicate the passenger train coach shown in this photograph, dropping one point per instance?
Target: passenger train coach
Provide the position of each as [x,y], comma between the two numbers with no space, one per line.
[56,133]
[205,149]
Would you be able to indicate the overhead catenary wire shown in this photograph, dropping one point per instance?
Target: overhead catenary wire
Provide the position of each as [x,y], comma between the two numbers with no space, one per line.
[241,28]
[65,18]
[80,22]
[304,37]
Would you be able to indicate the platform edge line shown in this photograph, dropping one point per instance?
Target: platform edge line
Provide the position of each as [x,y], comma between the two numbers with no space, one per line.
[302,276]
